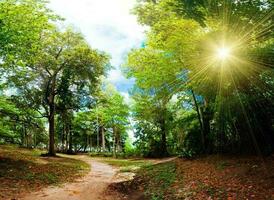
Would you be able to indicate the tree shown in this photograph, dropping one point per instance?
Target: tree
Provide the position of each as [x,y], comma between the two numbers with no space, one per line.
[151,124]
[102,126]
[22,23]
[159,69]
[7,111]
[187,62]
[61,54]
[20,124]
[117,114]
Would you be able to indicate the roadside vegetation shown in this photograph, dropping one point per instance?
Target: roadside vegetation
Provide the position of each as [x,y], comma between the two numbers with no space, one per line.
[212,177]
[23,170]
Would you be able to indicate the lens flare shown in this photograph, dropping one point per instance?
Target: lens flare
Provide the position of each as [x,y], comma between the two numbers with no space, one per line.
[223,53]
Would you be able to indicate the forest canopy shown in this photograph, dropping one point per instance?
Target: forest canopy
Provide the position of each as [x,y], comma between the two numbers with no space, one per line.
[203,81]
[204,77]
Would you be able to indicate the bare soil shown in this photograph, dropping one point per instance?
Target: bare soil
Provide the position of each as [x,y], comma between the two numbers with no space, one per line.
[91,187]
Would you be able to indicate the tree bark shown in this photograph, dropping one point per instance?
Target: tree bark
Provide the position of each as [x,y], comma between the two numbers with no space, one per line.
[200,121]
[206,118]
[51,131]
[98,138]
[63,138]
[163,138]
[162,121]
[70,142]
[51,103]
[118,142]
[114,142]
[103,139]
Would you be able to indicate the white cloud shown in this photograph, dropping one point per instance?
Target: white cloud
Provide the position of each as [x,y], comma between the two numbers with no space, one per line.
[115,75]
[127,97]
[108,26]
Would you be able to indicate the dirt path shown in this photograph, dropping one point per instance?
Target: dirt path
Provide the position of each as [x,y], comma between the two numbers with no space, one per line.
[91,187]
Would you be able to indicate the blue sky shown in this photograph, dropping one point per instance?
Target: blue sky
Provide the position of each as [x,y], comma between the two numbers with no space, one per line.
[108,26]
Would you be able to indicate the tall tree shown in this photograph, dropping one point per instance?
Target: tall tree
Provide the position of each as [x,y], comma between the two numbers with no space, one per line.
[59,53]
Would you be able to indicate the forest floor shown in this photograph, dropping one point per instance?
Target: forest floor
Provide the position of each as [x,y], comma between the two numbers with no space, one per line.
[205,178]
[26,175]
[94,186]
[23,171]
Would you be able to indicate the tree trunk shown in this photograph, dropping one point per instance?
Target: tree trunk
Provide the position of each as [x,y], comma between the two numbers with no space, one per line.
[70,142]
[98,138]
[103,139]
[206,118]
[63,138]
[25,137]
[90,143]
[162,121]
[51,103]
[200,121]
[66,141]
[114,142]
[118,142]
[163,139]
[86,142]
[51,130]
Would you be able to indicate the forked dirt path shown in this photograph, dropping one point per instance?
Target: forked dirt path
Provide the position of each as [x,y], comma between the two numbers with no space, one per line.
[91,187]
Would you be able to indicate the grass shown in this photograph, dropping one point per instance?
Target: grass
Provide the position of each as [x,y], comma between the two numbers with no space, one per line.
[158,180]
[23,170]
[127,165]
[153,180]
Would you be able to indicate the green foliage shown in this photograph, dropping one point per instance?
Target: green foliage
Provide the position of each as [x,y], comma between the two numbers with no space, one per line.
[186,100]
[230,109]
[22,22]
[97,124]
[159,179]
[49,72]
[130,150]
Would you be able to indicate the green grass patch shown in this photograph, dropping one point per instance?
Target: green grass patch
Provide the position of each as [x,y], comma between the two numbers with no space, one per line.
[49,178]
[110,155]
[127,165]
[100,154]
[155,181]
[158,180]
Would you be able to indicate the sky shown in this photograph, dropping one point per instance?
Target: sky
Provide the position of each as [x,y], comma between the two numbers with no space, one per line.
[107,25]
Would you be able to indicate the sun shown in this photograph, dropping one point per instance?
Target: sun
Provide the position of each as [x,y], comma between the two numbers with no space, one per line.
[223,53]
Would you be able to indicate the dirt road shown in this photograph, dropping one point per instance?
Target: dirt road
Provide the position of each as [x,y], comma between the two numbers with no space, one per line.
[91,187]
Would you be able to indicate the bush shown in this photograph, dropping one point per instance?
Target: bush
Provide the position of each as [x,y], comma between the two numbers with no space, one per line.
[187,153]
